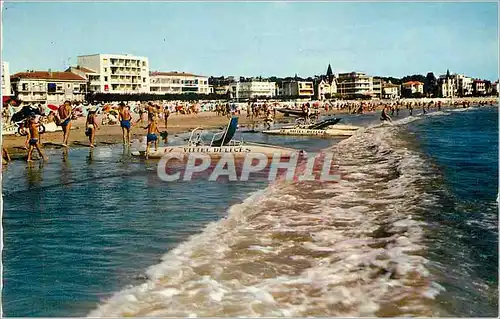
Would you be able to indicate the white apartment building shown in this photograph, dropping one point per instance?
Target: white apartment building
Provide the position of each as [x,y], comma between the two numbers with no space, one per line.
[390,91]
[48,87]
[255,89]
[463,84]
[355,84]
[116,73]
[6,88]
[377,87]
[177,83]
[303,89]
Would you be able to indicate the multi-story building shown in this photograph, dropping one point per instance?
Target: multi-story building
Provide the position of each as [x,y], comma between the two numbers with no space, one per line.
[116,73]
[325,87]
[462,85]
[355,84]
[178,83]
[377,87]
[302,89]
[408,89]
[255,89]
[48,87]
[479,87]
[447,85]
[6,88]
[390,91]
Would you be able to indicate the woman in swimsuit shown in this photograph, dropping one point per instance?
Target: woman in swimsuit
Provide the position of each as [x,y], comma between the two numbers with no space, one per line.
[91,125]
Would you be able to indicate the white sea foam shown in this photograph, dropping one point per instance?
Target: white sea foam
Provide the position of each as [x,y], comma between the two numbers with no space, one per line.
[352,248]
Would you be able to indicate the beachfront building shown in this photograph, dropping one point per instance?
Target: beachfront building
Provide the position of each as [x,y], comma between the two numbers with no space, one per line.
[412,88]
[6,88]
[116,73]
[479,87]
[377,88]
[255,89]
[446,85]
[178,83]
[355,84]
[462,84]
[48,87]
[296,88]
[390,91]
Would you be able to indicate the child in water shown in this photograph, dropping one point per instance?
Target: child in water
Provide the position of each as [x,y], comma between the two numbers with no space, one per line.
[34,136]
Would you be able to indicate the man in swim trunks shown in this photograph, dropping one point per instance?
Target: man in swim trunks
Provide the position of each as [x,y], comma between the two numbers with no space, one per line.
[65,120]
[125,122]
[384,116]
[33,136]
[152,137]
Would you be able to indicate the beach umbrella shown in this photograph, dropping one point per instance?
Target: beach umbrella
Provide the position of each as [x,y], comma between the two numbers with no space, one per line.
[53,107]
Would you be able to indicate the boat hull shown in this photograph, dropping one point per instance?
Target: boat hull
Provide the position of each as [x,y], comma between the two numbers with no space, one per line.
[238,152]
[309,132]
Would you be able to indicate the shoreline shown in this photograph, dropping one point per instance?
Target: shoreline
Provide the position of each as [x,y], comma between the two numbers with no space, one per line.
[177,124]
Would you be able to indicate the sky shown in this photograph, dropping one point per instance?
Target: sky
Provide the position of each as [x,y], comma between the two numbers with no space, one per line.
[259,38]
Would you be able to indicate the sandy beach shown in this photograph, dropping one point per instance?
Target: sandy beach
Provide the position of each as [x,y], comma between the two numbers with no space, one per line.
[112,134]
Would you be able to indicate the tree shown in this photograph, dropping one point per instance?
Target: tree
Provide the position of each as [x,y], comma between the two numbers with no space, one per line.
[430,85]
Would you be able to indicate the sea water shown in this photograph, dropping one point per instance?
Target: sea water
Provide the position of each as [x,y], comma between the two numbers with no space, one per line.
[411,229]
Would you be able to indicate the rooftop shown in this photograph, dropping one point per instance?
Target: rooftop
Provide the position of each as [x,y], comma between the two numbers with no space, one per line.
[46,75]
[83,69]
[174,73]
[409,83]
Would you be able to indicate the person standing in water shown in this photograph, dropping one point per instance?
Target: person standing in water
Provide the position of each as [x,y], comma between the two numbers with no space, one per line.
[151,136]
[384,116]
[65,120]
[125,119]
[33,135]
[91,126]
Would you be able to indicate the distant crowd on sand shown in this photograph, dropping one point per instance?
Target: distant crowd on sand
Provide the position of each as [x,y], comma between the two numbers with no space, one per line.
[150,114]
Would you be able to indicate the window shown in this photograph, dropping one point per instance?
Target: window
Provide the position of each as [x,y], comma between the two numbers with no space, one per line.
[143,80]
[68,85]
[105,61]
[25,86]
[105,79]
[143,63]
[51,87]
[105,69]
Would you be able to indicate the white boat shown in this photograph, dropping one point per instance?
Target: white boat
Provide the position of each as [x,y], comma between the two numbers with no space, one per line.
[325,128]
[221,143]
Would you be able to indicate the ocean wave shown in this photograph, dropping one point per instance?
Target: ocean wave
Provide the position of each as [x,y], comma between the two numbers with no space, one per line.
[352,248]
